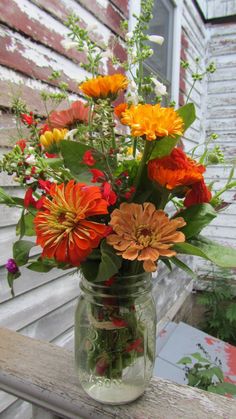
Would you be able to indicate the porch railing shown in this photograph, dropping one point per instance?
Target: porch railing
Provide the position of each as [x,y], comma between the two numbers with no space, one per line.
[44,375]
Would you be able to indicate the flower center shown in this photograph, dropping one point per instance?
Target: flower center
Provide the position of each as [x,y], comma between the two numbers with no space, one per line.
[144,235]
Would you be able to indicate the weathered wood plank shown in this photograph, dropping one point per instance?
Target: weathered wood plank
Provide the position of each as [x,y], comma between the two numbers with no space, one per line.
[14,84]
[44,374]
[29,307]
[35,60]
[123,6]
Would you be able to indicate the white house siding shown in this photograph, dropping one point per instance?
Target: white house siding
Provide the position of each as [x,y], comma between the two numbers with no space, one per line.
[194,44]
[30,49]
[221,119]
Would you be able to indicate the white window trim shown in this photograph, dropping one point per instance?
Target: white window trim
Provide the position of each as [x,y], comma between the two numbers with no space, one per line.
[134,8]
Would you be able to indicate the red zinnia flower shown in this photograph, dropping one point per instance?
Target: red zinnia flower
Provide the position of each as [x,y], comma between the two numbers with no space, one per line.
[198,194]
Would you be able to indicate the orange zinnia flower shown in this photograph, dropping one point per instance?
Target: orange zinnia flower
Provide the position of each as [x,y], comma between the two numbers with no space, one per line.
[140,232]
[104,86]
[152,121]
[174,170]
[67,118]
[63,228]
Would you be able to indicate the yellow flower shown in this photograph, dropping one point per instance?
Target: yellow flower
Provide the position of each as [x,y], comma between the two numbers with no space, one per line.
[140,232]
[104,86]
[152,121]
[50,138]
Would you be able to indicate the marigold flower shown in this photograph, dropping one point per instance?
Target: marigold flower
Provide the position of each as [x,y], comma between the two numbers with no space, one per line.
[198,194]
[120,109]
[63,228]
[52,137]
[140,232]
[104,86]
[175,170]
[152,121]
[67,118]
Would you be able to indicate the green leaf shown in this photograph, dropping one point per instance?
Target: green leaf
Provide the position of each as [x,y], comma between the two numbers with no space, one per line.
[231,312]
[223,388]
[197,217]
[167,263]
[73,152]
[185,360]
[10,201]
[25,225]
[20,227]
[54,163]
[183,266]
[105,267]
[40,266]
[21,250]
[110,262]
[199,357]
[11,278]
[188,114]
[220,255]
[164,146]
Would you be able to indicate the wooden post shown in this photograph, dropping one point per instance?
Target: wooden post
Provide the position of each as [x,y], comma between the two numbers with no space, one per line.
[44,375]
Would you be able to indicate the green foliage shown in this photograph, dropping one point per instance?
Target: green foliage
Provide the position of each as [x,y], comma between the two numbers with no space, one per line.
[221,256]
[183,266]
[205,373]
[197,217]
[220,303]
[21,250]
[101,265]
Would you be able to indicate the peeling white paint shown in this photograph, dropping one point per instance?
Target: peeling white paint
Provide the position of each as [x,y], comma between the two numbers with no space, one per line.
[103,3]
[43,57]
[13,77]
[12,47]
[88,18]
[39,16]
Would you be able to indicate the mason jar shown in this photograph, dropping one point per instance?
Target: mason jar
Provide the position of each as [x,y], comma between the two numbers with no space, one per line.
[115,336]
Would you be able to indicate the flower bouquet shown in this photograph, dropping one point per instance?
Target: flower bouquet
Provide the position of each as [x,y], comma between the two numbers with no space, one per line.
[109,191]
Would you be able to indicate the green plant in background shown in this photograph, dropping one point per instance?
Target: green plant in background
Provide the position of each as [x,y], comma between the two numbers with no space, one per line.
[220,302]
[203,373]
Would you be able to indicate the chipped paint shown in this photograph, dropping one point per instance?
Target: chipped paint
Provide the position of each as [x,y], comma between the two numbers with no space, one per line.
[102,31]
[103,3]
[16,78]
[13,46]
[209,340]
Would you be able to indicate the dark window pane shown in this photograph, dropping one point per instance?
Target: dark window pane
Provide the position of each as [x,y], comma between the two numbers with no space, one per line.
[162,24]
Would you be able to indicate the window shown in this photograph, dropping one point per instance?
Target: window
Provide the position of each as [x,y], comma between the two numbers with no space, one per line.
[162,24]
[165,62]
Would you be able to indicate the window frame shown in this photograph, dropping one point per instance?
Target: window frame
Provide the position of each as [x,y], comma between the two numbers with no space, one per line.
[135,7]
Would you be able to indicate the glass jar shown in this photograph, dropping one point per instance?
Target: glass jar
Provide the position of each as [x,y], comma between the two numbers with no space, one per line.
[115,336]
